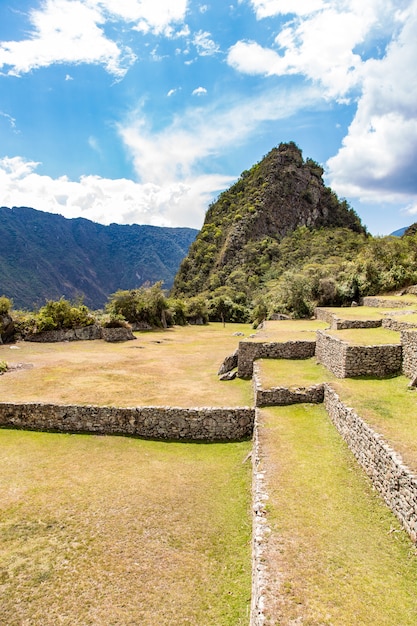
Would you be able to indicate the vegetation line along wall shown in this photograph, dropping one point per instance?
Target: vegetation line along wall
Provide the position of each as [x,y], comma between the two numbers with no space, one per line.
[392,479]
[170,423]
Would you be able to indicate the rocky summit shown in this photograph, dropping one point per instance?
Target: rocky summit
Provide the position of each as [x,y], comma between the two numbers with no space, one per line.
[276,196]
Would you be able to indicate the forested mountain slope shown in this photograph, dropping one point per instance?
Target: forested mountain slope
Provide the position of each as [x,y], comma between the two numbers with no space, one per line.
[241,235]
[46,256]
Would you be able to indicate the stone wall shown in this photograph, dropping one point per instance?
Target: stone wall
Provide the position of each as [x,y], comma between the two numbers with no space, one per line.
[81,334]
[348,361]
[279,396]
[392,324]
[409,343]
[391,478]
[323,314]
[193,424]
[340,323]
[386,302]
[250,351]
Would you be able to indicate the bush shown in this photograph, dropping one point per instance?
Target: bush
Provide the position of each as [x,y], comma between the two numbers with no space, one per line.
[5,305]
[196,310]
[113,320]
[3,367]
[61,314]
[146,305]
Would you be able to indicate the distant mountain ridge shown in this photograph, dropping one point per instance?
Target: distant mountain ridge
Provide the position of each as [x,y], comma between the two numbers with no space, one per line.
[46,256]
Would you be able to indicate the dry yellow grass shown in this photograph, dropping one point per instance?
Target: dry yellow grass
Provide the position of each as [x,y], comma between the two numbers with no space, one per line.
[289,330]
[108,531]
[175,367]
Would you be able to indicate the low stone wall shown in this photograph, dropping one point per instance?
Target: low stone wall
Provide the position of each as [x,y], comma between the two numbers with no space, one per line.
[280,396]
[331,353]
[85,333]
[323,315]
[392,479]
[386,302]
[250,351]
[348,361]
[193,424]
[392,324]
[409,343]
[339,323]
[70,334]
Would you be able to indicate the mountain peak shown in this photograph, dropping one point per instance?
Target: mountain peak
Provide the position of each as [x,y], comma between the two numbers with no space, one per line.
[276,196]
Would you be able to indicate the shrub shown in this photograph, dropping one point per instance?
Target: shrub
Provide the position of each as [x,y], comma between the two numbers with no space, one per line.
[61,314]
[196,310]
[5,305]
[113,320]
[3,367]
[146,305]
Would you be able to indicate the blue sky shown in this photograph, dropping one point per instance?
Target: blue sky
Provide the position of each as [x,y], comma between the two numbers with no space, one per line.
[143,111]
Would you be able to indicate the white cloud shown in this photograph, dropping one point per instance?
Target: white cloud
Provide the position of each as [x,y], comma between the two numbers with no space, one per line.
[72,32]
[157,16]
[179,153]
[376,162]
[200,91]
[104,200]
[64,32]
[176,188]
[10,119]
[320,43]
[251,58]
[269,8]
[204,44]
[171,92]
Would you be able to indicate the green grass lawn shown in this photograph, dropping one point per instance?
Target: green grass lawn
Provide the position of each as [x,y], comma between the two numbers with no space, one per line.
[359,312]
[108,531]
[336,555]
[390,406]
[288,373]
[367,336]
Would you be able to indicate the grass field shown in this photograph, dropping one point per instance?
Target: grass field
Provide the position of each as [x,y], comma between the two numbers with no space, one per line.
[288,373]
[108,531]
[367,336]
[175,367]
[390,406]
[290,330]
[361,312]
[336,555]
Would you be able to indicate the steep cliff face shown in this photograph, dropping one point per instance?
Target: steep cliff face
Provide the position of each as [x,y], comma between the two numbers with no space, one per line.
[278,194]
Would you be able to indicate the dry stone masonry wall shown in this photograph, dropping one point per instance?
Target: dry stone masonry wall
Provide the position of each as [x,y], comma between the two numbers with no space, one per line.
[348,361]
[281,396]
[340,323]
[392,479]
[409,343]
[250,351]
[85,333]
[189,424]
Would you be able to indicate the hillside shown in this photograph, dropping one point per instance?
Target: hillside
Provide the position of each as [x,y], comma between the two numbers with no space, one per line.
[46,256]
[240,237]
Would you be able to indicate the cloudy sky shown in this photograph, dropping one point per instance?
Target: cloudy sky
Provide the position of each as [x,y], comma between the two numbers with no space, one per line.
[142,111]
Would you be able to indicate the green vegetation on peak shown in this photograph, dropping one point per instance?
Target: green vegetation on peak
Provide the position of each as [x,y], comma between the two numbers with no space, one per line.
[243,230]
